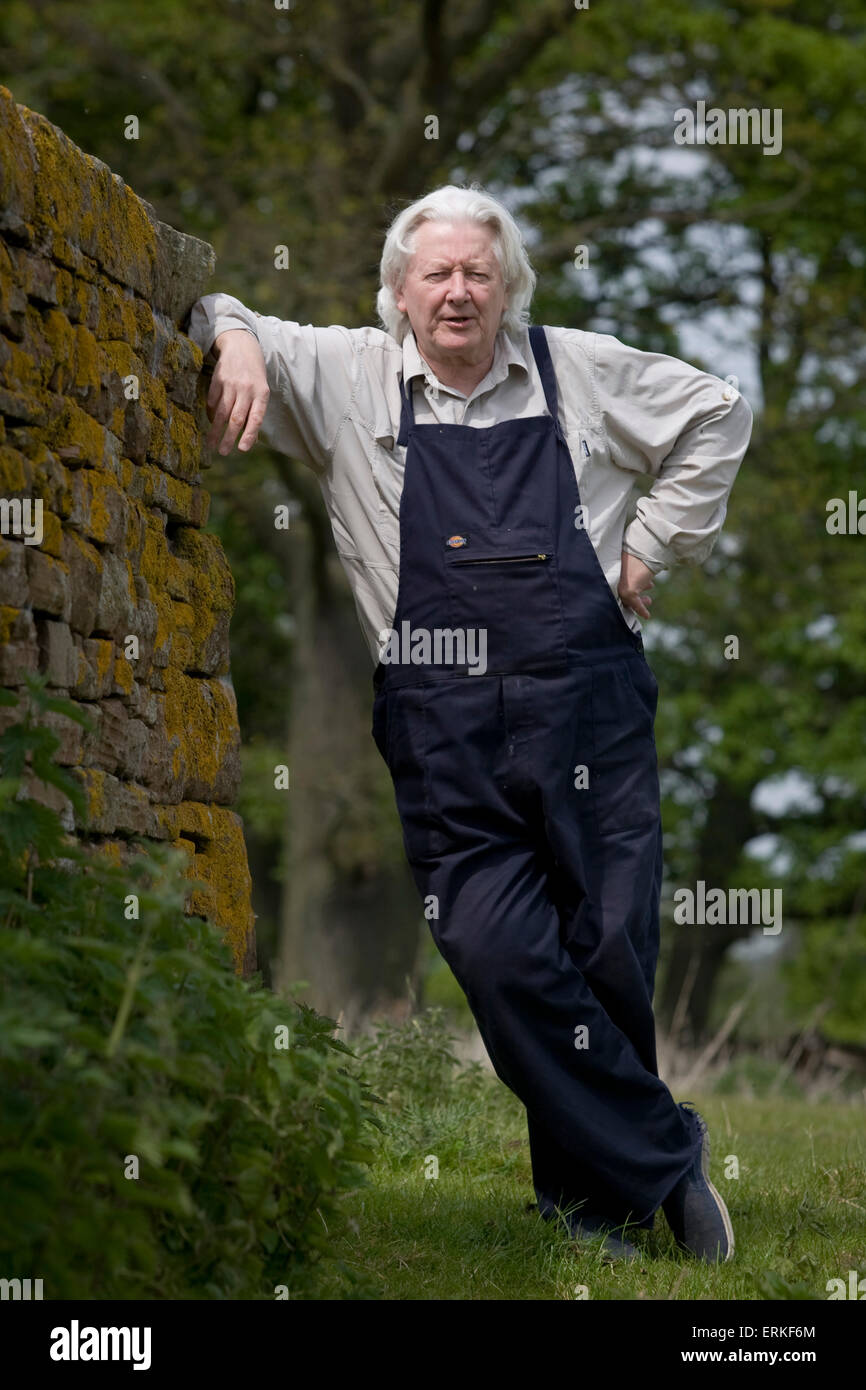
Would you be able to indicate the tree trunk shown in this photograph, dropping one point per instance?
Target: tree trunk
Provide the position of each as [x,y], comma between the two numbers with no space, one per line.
[698,952]
[352,924]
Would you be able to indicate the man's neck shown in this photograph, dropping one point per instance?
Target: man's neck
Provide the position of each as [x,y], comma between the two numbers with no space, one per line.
[460,375]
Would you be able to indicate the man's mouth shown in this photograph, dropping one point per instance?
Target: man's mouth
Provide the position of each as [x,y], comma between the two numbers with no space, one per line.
[457,321]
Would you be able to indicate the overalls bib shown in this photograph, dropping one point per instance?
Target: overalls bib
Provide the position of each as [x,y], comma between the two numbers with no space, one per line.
[527,786]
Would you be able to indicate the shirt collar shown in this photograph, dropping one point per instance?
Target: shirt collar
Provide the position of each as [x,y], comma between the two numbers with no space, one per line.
[506,354]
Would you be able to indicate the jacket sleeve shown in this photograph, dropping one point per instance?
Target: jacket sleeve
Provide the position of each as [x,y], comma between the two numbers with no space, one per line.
[686,428]
[311,374]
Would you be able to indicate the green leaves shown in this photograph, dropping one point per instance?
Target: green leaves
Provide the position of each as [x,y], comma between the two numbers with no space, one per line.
[134,1039]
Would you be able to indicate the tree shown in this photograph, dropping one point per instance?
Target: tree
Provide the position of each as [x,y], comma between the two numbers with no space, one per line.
[307,128]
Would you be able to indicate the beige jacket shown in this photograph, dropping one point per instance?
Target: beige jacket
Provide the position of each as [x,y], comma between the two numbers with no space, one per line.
[335,405]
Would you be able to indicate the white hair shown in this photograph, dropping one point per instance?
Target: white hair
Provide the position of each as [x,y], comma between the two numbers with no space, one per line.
[450,203]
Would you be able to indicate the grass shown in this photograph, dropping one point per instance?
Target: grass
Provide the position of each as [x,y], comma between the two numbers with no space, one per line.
[798,1206]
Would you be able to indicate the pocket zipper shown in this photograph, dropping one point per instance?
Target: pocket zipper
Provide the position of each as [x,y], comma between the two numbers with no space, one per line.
[502,560]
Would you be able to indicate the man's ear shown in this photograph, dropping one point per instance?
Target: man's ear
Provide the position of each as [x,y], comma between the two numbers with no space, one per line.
[400,301]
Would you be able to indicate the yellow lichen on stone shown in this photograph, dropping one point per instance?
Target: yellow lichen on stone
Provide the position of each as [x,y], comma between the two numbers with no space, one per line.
[22,371]
[118,358]
[80,203]
[8,618]
[110,851]
[59,337]
[204,623]
[185,439]
[17,172]
[92,291]
[96,491]
[179,499]
[52,533]
[191,818]
[212,581]
[104,659]
[125,475]
[226,901]
[92,781]
[86,551]
[200,719]
[164,637]
[153,563]
[188,847]
[123,676]
[51,481]
[178,582]
[75,430]
[86,360]
[15,471]
[184,617]
[182,655]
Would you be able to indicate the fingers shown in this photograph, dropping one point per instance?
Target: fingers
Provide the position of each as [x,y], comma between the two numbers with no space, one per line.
[637,601]
[236,421]
[254,419]
[233,408]
[219,404]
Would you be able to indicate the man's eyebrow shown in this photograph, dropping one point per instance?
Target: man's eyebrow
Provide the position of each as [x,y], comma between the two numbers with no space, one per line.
[440,263]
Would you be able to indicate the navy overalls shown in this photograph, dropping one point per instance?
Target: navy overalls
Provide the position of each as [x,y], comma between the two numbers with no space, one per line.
[529,800]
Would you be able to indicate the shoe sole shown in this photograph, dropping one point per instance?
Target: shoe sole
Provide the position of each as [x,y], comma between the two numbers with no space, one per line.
[717,1197]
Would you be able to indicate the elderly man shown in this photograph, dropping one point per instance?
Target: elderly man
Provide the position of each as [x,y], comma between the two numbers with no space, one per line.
[477,475]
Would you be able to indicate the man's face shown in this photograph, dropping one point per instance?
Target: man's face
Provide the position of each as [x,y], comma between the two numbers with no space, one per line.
[453,291]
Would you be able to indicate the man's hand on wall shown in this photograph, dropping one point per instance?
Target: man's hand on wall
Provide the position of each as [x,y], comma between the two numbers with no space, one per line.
[635,580]
[239,391]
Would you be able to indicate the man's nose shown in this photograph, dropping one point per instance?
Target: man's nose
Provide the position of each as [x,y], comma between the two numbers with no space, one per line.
[457,286]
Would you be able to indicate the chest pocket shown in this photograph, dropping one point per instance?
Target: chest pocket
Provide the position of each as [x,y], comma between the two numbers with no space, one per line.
[588,446]
[503,583]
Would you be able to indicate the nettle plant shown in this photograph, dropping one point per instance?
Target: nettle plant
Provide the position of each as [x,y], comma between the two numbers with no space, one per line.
[158,1138]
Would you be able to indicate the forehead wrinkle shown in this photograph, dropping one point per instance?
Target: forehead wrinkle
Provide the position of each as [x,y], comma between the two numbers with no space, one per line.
[439,261]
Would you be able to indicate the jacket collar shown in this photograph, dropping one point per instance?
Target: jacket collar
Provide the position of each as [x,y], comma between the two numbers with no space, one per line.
[506,354]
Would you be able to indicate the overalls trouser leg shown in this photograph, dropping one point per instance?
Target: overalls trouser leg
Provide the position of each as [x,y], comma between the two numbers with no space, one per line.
[527,785]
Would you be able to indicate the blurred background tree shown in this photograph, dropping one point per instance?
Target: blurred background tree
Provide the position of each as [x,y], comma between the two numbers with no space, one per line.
[310,127]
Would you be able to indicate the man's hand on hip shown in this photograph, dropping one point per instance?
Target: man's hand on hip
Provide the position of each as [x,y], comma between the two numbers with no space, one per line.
[635,579]
[239,391]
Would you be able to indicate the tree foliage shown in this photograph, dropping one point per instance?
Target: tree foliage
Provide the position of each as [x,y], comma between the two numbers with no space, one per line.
[308,127]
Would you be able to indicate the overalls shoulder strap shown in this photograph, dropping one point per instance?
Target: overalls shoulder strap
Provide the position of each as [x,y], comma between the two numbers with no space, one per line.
[407,413]
[544,363]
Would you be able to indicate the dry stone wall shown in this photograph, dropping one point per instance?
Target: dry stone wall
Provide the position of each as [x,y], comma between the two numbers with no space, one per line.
[109,582]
